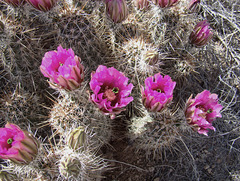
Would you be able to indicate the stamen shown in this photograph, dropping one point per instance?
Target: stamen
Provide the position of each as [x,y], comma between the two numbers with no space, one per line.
[209,111]
[9,141]
[115,90]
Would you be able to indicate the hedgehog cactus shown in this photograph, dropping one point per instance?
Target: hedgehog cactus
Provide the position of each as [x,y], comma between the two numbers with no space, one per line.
[79,166]
[63,68]
[202,111]
[153,134]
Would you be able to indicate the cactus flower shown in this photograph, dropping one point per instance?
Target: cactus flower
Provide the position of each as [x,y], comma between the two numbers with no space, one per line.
[110,90]
[63,68]
[158,92]
[17,145]
[201,34]
[42,5]
[116,10]
[202,111]
[141,4]
[165,3]
[15,3]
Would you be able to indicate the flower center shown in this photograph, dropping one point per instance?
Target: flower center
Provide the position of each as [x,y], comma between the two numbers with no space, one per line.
[9,141]
[201,107]
[159,90]
[115,90]
[209,111]
[204,110]
[110,94]
[61,64]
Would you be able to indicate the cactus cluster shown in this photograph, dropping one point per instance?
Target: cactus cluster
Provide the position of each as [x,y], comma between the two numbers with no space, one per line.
[83,76]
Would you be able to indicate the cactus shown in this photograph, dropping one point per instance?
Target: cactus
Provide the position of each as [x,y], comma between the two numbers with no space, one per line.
[17,107]
[154,133]
[80,166]
[77,32]
[72,111]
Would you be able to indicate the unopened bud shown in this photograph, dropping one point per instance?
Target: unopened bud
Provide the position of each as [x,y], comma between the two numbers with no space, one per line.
[151,57]
[70,167]
[193,6]
[141,4]
[165,3]
[117,10]
[77,138]
[201,34]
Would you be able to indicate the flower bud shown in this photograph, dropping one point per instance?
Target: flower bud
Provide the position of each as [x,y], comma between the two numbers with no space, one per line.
[77,138]
[193,6]
[151,57]
[141,4]
[70,167]
[165,3]
[17,145]
[42,5]
[117,10]
[201,34]
[15,3]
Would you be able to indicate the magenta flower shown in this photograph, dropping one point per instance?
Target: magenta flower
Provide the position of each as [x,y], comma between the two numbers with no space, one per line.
[201,34]
[116,10]
[165,3]
[110,90]
[15,3]
[158,92]
[63,68]
[42,5]
[141,4]
[17,145]
[202,111]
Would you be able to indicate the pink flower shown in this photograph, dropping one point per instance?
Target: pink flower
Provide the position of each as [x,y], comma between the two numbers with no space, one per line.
[201,34]
[63,68]
[110,90]
[42,5]
[158,92]
[116,10]
[165,3]
[202,111]
[17,145]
